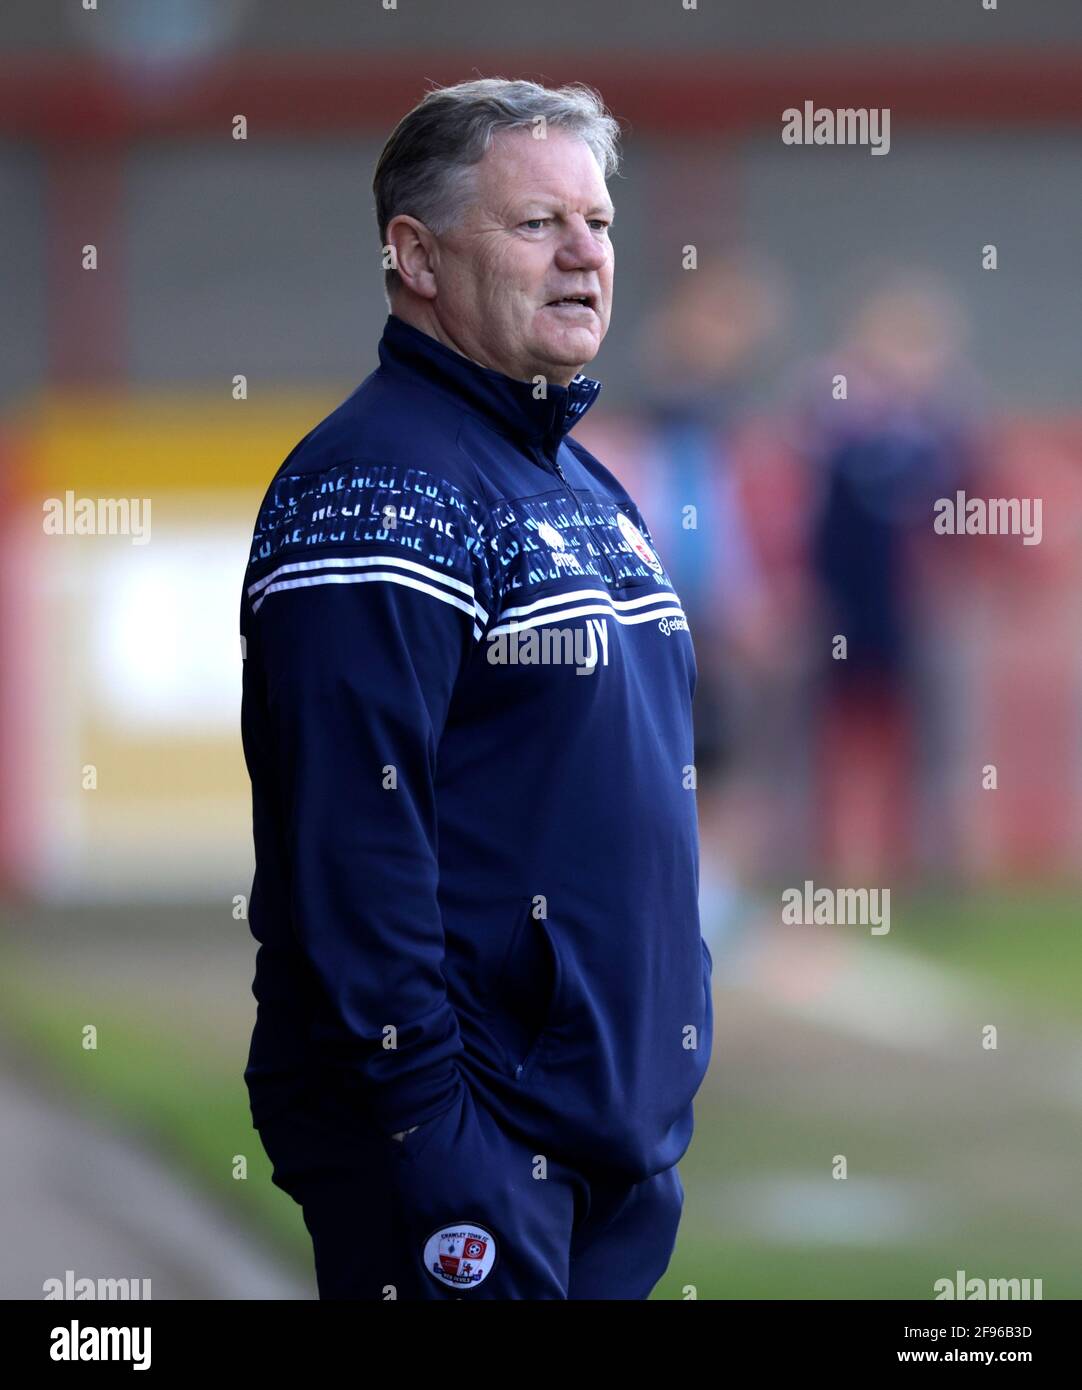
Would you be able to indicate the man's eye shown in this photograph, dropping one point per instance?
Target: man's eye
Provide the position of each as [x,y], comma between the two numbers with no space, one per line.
[599,222]
[531,220]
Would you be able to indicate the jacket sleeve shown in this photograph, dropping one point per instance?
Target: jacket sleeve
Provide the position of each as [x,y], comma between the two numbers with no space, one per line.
[368,591]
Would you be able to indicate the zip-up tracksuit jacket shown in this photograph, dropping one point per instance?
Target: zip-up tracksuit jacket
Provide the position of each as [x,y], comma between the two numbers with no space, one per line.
[466,715]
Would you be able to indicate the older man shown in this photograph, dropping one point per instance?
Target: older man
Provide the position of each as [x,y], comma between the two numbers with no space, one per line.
[483,997]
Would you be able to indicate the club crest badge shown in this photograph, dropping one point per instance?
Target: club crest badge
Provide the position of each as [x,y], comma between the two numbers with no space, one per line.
[460,1256]
[634,538]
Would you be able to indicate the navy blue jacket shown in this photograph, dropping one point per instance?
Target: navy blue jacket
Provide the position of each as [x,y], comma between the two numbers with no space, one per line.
[467,721]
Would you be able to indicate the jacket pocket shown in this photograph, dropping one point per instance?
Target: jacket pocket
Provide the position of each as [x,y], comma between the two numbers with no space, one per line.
[524,1002]
[415,1141]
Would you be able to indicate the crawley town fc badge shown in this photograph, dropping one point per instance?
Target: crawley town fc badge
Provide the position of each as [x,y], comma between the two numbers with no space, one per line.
[460,1256]
[634,538]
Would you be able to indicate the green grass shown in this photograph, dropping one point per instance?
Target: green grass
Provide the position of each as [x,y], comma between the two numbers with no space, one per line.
[745,1271]
[177,1085]
[1028,942]
[174,1089]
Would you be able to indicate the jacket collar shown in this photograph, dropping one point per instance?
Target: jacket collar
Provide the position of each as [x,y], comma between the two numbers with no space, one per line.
[507,402]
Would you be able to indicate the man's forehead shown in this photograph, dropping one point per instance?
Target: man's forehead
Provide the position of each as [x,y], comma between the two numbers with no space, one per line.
[540,195]
[562,172]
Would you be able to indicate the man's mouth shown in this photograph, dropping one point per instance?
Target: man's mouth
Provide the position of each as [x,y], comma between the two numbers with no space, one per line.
[573,301]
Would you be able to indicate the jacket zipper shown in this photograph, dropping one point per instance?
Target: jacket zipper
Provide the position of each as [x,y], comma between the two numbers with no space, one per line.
[602,552]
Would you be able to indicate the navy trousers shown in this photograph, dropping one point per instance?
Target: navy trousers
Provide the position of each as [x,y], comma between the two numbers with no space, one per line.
[463,1209]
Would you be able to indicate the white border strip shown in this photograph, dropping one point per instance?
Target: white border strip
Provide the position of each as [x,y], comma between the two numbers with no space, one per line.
[572,595]
[352,561]
[387,576]
[670,610]
[269,583]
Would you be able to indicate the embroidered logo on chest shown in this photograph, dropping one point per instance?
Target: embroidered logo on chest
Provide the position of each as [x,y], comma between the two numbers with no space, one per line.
[634,538]
[562,557]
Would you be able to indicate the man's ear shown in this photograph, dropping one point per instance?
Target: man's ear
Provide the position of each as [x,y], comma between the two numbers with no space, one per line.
[416,254]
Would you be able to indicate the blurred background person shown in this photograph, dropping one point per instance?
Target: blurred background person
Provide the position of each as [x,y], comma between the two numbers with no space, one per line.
[709,335]
[903,434]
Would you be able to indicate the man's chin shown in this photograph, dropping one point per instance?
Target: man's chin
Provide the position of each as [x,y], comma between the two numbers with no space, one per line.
[569,348]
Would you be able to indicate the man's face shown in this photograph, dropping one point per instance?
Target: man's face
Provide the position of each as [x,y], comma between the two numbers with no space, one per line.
[536,231]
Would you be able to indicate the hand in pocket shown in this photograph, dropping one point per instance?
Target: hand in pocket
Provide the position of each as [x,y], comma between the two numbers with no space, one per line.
[476,1208]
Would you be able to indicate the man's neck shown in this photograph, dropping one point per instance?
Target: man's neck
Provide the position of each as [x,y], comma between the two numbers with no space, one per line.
[427,322]
[430,324]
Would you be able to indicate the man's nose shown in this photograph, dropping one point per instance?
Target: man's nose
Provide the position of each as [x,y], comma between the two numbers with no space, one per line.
[579,246]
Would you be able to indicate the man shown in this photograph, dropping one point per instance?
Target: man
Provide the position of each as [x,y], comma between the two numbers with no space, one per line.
[483,997]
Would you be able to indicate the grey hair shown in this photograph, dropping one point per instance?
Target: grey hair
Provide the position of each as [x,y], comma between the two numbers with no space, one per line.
[425,169]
